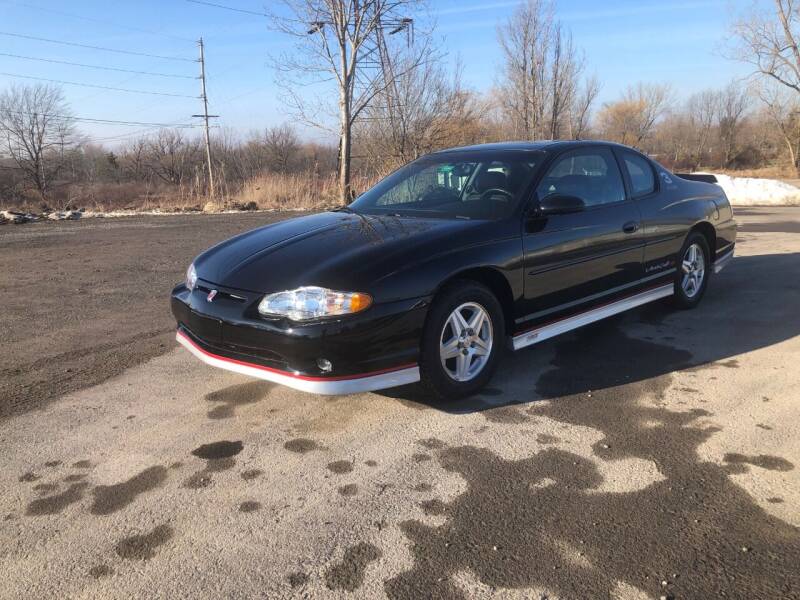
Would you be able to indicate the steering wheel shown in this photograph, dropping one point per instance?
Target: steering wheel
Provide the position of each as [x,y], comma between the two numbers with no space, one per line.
[491,191]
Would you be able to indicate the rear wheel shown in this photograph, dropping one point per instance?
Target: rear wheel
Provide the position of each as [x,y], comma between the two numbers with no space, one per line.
[462,340]
[691,279]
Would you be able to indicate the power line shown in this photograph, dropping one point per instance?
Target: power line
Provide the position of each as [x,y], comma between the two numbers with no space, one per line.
[241,10]
[101,21]
[101,121]
[128,135]
[65,62]
[101,87]
[118,51]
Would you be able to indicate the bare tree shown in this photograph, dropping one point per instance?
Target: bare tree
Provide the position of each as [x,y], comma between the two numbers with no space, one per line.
[783,108]
[732,104]
[542,72]
[338,42]
[581,110]
[673,139]
[769,42]
[525,41]
[631,119]
[37,127]
[702,109]
[171,157]
[565,68]
[422,109]
[282,146]
[134,153]
[767,39]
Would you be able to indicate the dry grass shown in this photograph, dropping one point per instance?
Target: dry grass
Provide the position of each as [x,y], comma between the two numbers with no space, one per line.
[107,197]
[268,191]
[277,191]
[287,192]
[265,192]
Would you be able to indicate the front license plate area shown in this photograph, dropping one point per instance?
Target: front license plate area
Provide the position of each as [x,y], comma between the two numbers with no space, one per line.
[205,328]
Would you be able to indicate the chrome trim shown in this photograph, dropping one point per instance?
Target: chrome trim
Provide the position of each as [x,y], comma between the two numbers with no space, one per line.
[723,261]
[337,387]
[601,312]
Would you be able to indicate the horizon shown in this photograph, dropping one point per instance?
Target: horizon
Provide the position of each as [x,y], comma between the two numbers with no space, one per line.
[623,45]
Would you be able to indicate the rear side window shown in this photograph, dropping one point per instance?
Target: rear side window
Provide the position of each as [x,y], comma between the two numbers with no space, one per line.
[641,173]
[591,174]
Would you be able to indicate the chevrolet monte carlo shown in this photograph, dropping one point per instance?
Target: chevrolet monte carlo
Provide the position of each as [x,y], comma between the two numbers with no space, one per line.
[437,270]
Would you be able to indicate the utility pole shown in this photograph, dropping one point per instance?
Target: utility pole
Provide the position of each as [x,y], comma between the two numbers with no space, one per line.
[205,116]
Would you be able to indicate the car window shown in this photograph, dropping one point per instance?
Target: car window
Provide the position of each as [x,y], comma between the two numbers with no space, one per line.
[434,182]
[641,173]
[459,185]
[590,174]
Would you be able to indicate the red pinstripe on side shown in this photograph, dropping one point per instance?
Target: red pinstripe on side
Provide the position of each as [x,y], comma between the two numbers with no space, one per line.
[590,309]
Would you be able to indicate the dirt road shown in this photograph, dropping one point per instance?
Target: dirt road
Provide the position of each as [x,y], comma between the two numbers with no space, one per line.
[82,301]
[651,455]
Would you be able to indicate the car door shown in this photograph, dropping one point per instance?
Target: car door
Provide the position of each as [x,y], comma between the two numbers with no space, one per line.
[664,221]
[574,260]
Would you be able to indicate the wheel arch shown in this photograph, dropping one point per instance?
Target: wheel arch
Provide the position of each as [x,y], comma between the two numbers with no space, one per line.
[707,230]
[497,283]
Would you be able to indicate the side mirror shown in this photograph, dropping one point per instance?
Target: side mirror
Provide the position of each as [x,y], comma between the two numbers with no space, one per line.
[560,204]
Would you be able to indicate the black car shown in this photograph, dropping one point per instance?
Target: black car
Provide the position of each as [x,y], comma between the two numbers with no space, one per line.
[435,271]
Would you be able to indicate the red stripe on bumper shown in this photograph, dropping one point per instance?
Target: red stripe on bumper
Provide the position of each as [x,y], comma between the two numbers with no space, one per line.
[288,373]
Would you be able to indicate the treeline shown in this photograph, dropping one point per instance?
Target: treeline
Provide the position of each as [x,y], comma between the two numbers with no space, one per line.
[413,104]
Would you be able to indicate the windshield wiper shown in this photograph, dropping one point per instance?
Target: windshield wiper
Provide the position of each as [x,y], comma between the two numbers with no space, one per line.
[345,208]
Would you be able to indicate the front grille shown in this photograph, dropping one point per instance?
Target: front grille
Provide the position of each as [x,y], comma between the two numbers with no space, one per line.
[222,293]
[261,353]
[251,355]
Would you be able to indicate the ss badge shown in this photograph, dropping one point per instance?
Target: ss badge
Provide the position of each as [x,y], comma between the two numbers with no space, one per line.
[211,295]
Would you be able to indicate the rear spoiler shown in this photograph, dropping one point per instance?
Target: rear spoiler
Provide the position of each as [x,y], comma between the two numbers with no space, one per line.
[704,177]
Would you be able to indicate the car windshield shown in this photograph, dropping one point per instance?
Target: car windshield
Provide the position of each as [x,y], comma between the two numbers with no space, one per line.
[456,185]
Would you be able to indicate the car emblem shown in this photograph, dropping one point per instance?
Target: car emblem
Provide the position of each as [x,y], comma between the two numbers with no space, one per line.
[211,295]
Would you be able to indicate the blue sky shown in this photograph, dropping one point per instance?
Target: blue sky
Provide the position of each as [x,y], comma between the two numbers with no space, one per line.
[625,41]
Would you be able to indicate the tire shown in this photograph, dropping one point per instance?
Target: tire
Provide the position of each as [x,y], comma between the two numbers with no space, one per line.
[684,298]
[447,378]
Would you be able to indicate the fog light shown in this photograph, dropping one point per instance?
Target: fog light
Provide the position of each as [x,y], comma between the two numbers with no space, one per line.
[324,365]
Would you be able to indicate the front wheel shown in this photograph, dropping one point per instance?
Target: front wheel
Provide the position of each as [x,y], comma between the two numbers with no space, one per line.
[462,340]
[691,279]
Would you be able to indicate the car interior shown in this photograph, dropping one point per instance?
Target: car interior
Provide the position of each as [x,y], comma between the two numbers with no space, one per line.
[589,177]
[486,190]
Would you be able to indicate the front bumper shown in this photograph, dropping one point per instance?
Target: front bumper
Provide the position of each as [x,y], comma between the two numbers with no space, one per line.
[365,382]
[374,350]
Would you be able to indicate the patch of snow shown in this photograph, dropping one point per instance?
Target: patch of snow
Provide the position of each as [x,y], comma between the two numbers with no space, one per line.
[99,214]
[166,213]
[17,218]
[69,215]
[11,216]
[750,191]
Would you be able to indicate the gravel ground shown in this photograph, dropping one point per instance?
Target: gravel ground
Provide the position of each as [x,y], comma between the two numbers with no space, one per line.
[81,301]
[651,455]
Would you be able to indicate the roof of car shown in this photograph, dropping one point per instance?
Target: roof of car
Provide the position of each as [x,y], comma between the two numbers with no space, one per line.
[522,145]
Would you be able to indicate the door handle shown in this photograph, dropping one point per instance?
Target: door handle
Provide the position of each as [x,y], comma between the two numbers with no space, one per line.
[630,227]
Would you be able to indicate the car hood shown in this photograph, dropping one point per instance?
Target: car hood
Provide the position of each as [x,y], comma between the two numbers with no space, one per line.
[338,250]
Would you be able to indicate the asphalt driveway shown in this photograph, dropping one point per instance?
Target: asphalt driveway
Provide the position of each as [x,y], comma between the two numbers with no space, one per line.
[651,455]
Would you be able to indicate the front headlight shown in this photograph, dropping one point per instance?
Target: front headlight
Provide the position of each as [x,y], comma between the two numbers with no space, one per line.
[307,303]
[191,277]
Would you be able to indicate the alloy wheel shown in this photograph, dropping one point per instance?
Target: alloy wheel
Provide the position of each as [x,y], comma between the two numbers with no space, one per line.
[465,344]
[694,268]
